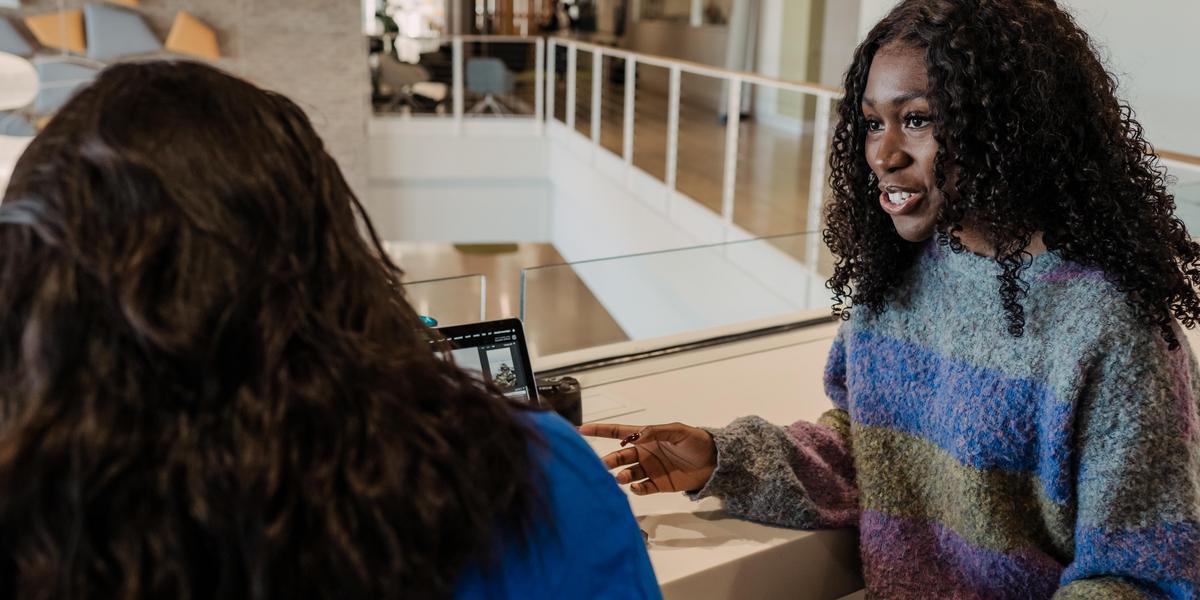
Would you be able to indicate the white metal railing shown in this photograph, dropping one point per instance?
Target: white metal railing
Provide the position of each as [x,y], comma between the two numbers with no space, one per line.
[546,51]
[734,81]
[546,73]
[1180,162]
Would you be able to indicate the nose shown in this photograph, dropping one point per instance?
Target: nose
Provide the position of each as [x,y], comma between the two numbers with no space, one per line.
[890,154]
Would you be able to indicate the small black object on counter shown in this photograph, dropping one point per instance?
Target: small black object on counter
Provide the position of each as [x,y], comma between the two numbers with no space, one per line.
[564,395]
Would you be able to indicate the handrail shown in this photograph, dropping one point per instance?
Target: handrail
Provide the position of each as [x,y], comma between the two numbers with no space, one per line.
[696,68]
[1179,159]
[735,82]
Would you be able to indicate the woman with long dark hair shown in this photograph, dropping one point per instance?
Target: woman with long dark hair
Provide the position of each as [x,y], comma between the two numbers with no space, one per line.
[1015,408]
[212,386]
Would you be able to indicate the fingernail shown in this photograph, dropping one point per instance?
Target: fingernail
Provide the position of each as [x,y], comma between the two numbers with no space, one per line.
[631,439]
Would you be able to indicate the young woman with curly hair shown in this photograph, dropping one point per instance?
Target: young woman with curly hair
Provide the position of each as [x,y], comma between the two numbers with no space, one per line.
[1015,408]
[212,387]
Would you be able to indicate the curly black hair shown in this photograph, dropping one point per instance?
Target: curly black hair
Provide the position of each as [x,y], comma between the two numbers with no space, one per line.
[1041,143]
[210,383]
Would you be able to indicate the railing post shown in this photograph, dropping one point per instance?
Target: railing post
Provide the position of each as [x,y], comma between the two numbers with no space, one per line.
[733,119]
[483,297]
[539,88]
[457,46]
[630,90]
[551,78]
[570,107]
[597,65]
[816,182]
[672,133]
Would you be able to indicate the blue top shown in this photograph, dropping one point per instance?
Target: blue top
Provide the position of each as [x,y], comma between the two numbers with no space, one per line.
[592,549]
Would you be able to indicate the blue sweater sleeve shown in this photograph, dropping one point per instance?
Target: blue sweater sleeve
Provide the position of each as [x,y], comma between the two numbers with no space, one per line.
[590,548]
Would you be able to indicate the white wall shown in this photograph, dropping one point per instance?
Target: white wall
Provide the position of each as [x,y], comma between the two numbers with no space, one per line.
[1151,46]
[869,13]
[430,181]
[839,40]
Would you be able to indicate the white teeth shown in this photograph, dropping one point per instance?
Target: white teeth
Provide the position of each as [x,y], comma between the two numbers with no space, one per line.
[898,197]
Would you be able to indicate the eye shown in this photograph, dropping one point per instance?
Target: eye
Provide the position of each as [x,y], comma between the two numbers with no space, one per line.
[874,124]
[916,121]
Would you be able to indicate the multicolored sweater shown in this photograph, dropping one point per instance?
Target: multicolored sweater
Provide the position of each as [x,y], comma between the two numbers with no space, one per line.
[1064,463]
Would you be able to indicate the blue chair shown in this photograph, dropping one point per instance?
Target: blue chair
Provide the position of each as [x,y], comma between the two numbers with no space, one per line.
[11,41]
[488,76]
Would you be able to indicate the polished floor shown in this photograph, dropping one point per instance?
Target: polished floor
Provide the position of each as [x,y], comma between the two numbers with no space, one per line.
[568,316]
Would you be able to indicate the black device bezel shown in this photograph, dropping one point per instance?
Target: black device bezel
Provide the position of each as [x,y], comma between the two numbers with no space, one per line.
[452,331]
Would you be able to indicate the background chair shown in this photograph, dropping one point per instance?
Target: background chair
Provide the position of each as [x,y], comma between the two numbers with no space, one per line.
[488,76]
[410,85]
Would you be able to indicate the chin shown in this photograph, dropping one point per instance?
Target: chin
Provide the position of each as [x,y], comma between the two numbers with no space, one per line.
[914,230]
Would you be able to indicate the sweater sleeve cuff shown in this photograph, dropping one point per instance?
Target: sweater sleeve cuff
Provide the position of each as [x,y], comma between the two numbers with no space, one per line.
[732,442]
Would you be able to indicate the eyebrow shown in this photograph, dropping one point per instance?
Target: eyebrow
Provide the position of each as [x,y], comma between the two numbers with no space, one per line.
[898,100]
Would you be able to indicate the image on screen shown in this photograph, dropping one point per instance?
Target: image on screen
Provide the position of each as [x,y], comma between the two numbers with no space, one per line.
[503,373]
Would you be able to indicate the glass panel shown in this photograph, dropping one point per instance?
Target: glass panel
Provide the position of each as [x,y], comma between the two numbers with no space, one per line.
[676,291]
[412,76]
[560,83]
[583,92]
[1187,197]
[774,163]
[612,105]
[451,301]
[701,155]
[650,120]
[499,78]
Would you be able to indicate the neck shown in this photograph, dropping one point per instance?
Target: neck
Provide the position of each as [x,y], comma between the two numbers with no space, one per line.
[974,240]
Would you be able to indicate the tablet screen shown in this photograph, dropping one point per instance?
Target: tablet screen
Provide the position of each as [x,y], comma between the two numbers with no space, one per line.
[494,351]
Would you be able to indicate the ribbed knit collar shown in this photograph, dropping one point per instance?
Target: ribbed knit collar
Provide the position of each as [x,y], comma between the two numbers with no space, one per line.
[973,265]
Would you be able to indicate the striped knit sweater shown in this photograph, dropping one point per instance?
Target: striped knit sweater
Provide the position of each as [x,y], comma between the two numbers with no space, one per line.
[1064,463]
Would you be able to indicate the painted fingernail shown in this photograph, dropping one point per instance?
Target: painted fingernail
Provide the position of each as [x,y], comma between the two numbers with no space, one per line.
[631,439]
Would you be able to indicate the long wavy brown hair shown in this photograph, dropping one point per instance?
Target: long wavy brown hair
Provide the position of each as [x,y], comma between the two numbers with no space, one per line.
[210,383]
[1041,143]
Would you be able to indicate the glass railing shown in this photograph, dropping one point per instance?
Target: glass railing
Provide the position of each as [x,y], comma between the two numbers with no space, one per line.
[1183,175]
[661,295]
[1186,188]
[450,301]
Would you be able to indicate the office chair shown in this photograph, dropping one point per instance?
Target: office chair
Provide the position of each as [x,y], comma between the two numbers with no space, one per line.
[410,85]
[488,76]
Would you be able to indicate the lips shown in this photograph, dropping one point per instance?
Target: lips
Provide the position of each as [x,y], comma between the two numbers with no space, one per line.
[896,200]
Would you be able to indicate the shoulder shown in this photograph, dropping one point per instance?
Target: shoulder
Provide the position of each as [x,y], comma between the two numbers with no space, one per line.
[563,447]
[589,544]
[572,474]
[1078,304]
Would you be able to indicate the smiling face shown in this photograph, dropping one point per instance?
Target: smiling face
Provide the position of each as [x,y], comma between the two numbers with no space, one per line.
[900,147]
